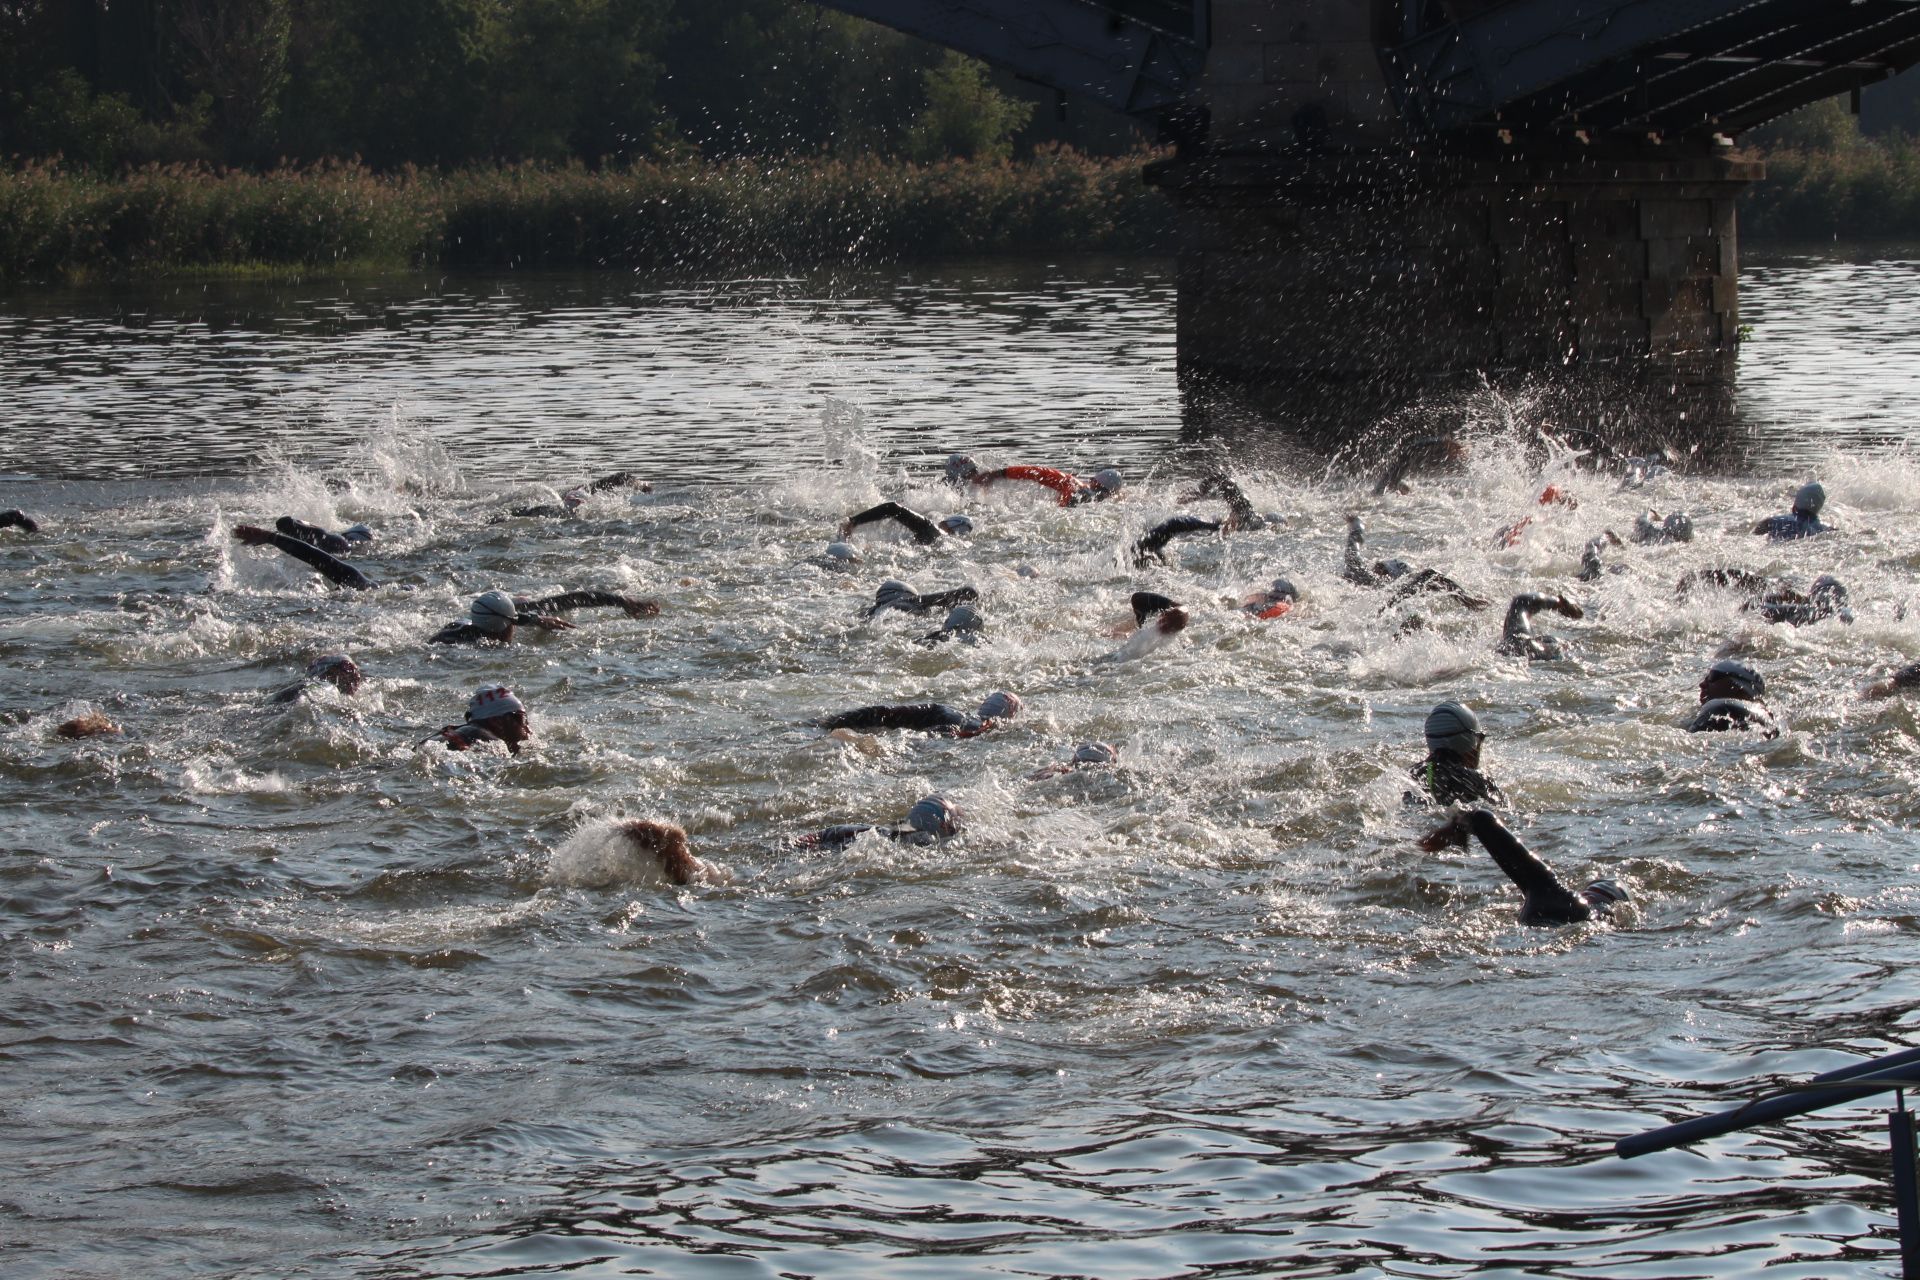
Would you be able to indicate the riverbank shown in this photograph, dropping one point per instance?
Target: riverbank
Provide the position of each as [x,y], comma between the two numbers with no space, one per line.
[692,215]
[688,215]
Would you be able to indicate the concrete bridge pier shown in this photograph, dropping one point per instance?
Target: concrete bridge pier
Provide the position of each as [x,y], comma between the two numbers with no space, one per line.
[1330,289]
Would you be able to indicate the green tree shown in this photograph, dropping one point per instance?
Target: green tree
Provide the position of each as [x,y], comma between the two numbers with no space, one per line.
[965,115]
[238,51]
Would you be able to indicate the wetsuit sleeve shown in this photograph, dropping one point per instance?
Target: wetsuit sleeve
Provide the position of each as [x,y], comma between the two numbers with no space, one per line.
[948,599]
[458,633]
[924,531]
[1150,547]
[313,535]
[1547,901]
[338,572]
[618,479]
[571,600]
[1907,677]
[14,518]
[917,715]
[1523,607]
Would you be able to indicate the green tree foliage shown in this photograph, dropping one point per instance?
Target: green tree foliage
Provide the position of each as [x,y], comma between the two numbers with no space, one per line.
[965,115]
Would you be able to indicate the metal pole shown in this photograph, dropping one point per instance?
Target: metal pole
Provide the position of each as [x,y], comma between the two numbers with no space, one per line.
[1829,1090]
[1906,1188]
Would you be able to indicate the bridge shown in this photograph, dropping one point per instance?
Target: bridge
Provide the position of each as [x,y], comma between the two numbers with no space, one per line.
[1380,197]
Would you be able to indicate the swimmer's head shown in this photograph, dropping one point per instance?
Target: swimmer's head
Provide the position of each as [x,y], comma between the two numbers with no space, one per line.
[337,669]
[1096,753]
[1148,603]
[1395,569]
[1732,678]
[1811,497]
[844,552]
[1452,726]
[957,526]
[574,498]
[895,594]
[1283,589]
[965,618]
[1604,894]
[493,700]
[961,467]
[1000,705]
[1677,527]
[934,816]
[494,612]
[357,533]
[1108,481]
[1831,596]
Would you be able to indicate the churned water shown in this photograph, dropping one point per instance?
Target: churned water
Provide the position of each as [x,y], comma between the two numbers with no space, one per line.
[290,995]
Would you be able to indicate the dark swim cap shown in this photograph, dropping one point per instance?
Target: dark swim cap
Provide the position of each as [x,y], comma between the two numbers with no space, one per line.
[1750,683]
[1453,726]
[933,815]
[1811,497]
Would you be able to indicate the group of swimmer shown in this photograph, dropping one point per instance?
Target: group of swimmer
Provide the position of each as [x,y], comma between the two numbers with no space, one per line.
[1731,695]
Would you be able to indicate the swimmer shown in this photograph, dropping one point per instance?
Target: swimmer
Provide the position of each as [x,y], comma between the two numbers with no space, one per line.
[1650,528]
[1907,677]
[964,623]
[1518,638]
[895,594]
[1451,772]
[91,725]
[1068,488]
[1429,453]
[1158,621]
[14,518]
[494,715]
[494,615]
[334,544]
[1546,901]
[1801,522]
[1553,495]
[1726,579]
[336,669]
[575,498]
[925,532]
[1826,598]
[932,820]
[1088,755]
[1151,547]
[1405,582]
[1276,601]
[929,717]
[334,570]
[1591,567]
[1241,517]
[666,844]
[1733,696]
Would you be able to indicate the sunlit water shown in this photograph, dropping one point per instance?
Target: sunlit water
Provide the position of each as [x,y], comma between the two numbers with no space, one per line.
[289,995]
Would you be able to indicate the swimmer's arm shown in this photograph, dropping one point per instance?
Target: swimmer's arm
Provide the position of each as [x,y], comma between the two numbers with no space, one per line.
[918,715]
[948,599]
[571,600]
[312,535]
[923,530]
[1545,895]
[333,570]
[618,480]
[1907,677]
[14,518]
[1166,531]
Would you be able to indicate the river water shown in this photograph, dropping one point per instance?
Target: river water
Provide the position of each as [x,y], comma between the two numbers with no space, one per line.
[290,995]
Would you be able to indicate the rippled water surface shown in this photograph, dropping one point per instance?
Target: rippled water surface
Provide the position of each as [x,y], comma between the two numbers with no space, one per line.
[289,994]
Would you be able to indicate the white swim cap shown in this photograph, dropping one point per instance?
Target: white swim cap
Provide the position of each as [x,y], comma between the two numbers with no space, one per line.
[1000,705]
[494,700]
[843,551]
[895,594]
[1107,480]
[1095,753]
[493,612]
[1811,497]
[958,526]
[960,467]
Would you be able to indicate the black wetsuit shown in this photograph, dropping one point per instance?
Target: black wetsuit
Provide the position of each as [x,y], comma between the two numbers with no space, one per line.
[463,736]
[915,603]
[1444,780]
[1429,451]
[334,570]
[1404,581]
[1795,524]
[334,544]
[1718,715]
[924,531]
[1147,603]
[1798,611]
[1546,901]
[1517,636]
[845,833]
[925,717]
[1220,485]
[1150,547]
[530,611]
[1725,579]
[14,518]
[1907,677]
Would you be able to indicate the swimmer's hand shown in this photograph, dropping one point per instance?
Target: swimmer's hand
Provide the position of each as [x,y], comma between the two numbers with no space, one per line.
[1568,608]
[545,621]
[846,530]
[252,535]
[640,608]
[1451,836]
